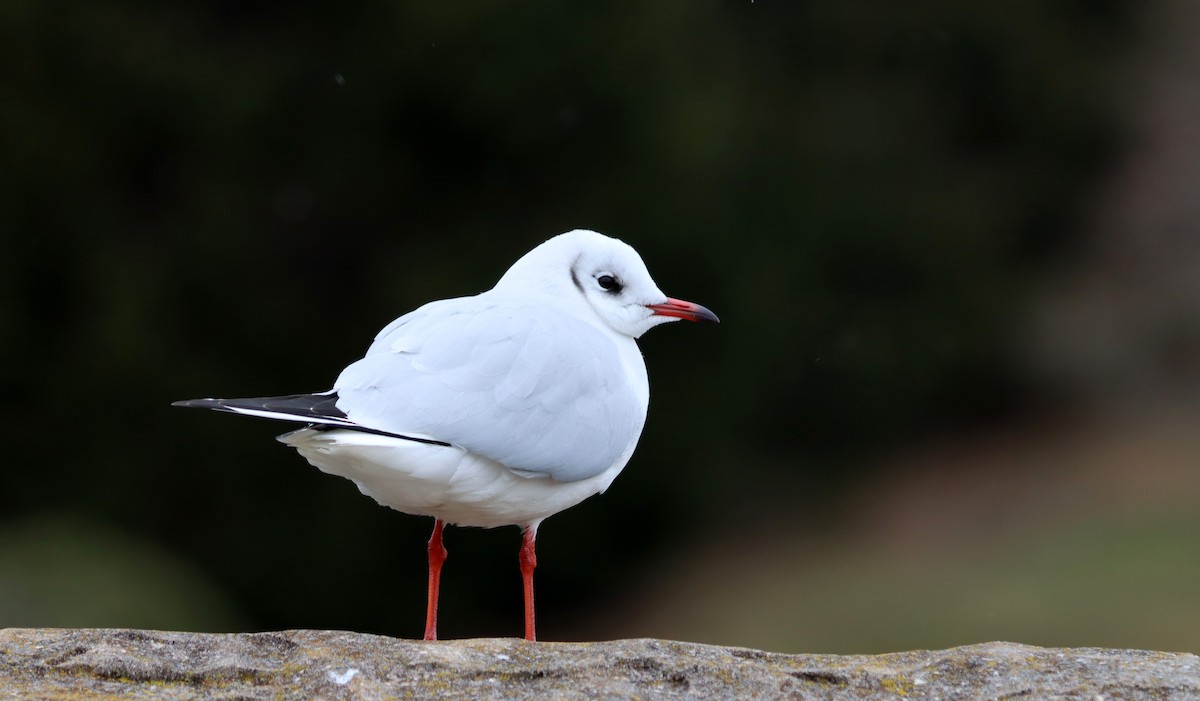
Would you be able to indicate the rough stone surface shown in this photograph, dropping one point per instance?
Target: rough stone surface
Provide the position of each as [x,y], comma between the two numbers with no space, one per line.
[303,664]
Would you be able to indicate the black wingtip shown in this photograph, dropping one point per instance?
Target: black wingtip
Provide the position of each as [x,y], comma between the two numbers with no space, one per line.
[318,408]
[198,403]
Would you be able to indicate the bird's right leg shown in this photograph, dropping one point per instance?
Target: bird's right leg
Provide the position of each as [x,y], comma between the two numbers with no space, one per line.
[528,560]
[437,555]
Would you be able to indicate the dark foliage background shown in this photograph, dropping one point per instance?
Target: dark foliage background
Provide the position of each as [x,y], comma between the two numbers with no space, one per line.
[229,199]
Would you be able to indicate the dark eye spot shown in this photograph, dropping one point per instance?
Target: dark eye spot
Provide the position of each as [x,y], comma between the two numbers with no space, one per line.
[608,282]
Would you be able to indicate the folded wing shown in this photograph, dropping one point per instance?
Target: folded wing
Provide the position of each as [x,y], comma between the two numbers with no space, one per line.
[530,387]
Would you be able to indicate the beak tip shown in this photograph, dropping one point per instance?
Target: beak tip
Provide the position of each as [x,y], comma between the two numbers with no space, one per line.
[689,311]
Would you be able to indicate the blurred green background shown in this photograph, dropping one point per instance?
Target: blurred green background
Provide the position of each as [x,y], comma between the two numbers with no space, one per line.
[953,245]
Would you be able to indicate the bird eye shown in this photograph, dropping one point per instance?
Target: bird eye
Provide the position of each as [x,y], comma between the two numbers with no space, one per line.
[608,282]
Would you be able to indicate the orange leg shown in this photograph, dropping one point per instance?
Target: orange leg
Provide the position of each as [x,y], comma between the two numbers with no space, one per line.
[528,563]
[437,555]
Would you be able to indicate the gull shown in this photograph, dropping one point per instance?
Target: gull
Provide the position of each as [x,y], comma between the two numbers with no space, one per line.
[499,409]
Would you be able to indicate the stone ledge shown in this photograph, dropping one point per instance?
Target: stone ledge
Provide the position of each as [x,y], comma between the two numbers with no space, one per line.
[304,664]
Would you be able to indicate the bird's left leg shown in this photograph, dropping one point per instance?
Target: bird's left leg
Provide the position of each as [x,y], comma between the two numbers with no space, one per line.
[437,555]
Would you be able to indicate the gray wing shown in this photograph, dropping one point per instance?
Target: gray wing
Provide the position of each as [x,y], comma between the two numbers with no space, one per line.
[528,386]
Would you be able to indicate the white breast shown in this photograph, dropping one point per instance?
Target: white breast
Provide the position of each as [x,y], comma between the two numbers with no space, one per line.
[448,483]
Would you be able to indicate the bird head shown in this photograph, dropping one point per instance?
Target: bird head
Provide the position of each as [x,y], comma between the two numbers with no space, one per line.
[586,270]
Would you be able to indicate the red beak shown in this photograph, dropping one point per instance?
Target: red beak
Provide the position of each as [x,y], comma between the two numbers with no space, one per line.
[683,310]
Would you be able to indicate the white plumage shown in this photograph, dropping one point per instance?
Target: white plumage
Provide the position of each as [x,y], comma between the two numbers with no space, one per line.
[497,409]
